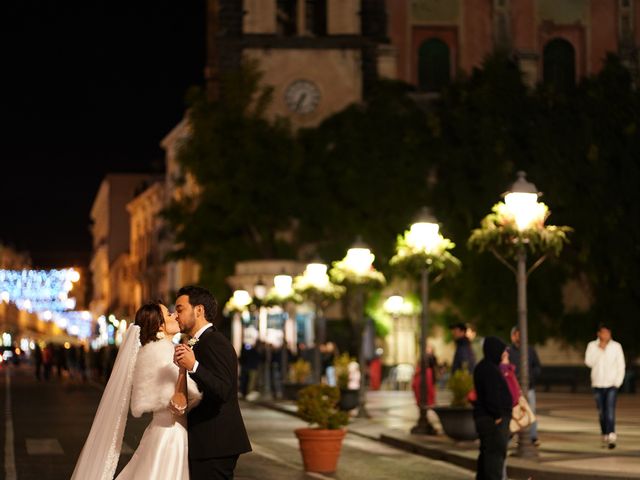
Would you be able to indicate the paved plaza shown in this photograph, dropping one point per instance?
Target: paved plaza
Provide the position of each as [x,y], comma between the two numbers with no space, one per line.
[45,424]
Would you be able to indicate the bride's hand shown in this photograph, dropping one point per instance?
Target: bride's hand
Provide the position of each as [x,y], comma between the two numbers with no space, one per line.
[178,403]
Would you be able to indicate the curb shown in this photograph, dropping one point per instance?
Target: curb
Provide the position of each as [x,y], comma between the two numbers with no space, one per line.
[516,468]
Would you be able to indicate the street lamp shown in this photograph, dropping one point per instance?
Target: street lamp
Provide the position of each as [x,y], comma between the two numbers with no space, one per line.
[522,202]
[512,227]
[357,270]
[423,236]
[240,300]
[283,290]
[315,286]
[423,250]
[316,276]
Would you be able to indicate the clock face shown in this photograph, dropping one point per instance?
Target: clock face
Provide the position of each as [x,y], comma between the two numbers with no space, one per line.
[302,96]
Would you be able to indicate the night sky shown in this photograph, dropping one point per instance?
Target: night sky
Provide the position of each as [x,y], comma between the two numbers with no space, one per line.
[88,87]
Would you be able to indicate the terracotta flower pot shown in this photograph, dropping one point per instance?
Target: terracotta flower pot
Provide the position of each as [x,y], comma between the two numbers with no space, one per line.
[320,448]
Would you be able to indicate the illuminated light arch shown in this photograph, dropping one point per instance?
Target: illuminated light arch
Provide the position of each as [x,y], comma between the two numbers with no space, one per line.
[39,291]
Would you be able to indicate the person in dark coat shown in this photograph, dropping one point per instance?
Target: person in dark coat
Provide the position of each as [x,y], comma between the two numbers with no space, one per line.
[464,356]
[492,410]
[249,364]
[217,435]
[37,359]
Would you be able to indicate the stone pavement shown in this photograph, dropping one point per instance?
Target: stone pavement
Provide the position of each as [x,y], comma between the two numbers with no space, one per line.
[45,424]
[568,432]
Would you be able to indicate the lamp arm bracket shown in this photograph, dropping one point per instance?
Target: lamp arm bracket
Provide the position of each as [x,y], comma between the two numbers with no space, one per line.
[439,277]
[503,261]
[536,264]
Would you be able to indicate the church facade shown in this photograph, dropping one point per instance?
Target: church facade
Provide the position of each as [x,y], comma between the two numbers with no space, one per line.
[553,40]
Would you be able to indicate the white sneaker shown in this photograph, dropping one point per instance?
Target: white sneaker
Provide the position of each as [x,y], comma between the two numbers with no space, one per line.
[612,440]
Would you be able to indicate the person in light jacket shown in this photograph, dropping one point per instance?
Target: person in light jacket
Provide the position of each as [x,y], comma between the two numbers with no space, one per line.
[606,359]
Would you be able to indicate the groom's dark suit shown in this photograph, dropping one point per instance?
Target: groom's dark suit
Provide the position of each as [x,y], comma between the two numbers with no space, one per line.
[216,430]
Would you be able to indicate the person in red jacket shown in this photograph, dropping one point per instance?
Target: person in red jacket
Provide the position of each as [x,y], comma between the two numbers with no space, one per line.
[431,384]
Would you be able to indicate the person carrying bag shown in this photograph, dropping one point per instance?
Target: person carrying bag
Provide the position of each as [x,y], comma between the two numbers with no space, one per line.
[521,416]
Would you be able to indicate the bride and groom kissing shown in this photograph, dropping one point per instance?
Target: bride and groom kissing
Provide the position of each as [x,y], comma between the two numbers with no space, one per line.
[197,429]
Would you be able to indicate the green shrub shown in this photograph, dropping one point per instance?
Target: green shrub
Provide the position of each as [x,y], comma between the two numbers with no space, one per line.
[341,365]
[299,371]
[460,383]
[318,405]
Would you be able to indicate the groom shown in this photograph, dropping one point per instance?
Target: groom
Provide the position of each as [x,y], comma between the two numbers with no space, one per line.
[217,435]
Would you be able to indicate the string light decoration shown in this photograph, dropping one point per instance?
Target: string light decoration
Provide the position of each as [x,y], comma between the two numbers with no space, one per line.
[39,291]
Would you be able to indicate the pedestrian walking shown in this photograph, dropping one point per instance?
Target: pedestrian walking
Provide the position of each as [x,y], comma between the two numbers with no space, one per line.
[47,361]
[535,368]
[82,362]
[491,411]
[37,359]
[464,357]
[249,364]
[606,359]
[430,379]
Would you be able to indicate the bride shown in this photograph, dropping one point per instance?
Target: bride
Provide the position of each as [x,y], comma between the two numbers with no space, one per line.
[145,377]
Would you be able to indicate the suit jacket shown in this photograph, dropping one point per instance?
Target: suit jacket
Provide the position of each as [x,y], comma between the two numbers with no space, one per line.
[215,426]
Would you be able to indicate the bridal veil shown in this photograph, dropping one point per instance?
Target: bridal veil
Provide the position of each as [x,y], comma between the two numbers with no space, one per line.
[99,457]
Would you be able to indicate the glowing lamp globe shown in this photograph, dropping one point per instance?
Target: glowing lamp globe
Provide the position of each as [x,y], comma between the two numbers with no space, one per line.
[316,275]
[241,298]
[522,203]
[260,290]
[359,258]
[282,284]
[424,233]
[394,304]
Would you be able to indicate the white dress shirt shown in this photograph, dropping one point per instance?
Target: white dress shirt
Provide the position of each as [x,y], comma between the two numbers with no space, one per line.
[197,336]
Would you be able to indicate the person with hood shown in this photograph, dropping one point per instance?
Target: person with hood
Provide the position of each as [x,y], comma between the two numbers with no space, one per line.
[464,357]
[492,410]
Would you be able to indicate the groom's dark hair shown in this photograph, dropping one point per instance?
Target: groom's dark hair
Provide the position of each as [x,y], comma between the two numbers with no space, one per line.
[201,296]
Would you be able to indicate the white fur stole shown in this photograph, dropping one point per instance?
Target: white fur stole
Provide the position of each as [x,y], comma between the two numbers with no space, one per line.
[154,379]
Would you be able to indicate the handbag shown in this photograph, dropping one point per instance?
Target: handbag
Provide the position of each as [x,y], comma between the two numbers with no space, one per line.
[521,416]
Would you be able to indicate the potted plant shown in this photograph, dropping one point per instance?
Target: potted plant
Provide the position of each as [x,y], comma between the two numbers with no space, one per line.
[344,372]
[457,419]
[321,442]
[299,374]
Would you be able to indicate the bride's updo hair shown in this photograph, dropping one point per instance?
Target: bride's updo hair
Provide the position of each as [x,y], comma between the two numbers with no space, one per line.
[149,318]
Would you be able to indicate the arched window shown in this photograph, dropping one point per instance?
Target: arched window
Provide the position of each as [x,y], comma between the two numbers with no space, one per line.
[559,64]
[434,65]
[316,12]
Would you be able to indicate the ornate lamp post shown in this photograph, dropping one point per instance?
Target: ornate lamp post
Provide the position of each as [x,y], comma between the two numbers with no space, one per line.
[259,296]
[422,249]
[315,286]
[283,291]
[515,226]
[356,272]
[240,300]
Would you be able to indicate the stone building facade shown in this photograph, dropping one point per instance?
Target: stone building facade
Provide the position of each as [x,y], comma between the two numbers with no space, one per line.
[553,40]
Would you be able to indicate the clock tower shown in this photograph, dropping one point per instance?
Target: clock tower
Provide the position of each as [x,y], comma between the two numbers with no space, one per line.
[318,55]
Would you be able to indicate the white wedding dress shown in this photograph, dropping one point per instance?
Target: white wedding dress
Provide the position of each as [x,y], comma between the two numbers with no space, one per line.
[144,379]
[163,450]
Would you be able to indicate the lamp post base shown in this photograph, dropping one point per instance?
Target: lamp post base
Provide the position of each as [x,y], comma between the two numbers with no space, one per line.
[362,412]
[525,448]
[423,427]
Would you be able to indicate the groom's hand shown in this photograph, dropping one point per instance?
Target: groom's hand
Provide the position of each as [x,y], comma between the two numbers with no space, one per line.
[184,357]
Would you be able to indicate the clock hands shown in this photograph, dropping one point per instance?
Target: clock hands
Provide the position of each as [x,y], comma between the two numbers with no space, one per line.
[300,101]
